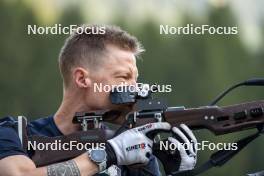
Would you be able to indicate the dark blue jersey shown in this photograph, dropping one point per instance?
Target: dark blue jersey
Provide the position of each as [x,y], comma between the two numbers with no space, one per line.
[10,143]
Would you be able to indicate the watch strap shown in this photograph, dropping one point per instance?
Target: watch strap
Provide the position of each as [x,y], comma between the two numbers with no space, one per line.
[102,166]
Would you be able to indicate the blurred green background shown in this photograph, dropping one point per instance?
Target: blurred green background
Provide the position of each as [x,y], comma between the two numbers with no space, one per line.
[197,66]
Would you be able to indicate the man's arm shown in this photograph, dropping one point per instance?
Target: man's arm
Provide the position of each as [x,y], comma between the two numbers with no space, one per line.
[20,165]
[14,161]
[128,148]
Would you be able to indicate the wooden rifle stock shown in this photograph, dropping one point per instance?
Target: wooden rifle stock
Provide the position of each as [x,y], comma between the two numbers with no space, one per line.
[90,138]
[219,120]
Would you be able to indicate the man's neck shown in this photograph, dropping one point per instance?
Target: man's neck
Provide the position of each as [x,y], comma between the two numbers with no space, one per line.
[63,117]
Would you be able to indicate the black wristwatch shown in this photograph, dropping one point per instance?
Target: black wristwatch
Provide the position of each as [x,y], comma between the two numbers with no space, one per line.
[98,156]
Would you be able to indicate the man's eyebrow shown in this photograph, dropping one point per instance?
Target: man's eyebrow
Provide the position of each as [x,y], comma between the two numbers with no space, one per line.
[120,71]
[126,71]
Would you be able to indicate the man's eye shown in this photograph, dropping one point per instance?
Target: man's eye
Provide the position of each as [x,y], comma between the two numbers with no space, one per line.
[123,77]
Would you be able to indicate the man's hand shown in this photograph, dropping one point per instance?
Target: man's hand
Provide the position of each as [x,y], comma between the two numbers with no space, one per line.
[185,153]
[188,152]
[134,146]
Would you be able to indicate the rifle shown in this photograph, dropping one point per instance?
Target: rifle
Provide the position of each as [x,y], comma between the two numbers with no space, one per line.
[218,120]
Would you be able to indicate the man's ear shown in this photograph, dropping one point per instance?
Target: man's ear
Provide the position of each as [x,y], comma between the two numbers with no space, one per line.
[81,77]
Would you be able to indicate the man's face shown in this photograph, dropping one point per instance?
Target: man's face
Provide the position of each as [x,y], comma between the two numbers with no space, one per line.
[119,66]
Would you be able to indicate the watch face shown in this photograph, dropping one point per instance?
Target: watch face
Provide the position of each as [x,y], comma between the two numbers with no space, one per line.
[98,155]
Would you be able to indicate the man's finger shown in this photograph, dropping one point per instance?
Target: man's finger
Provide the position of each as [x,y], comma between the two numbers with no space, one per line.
[178,132]
[189,132]
[179,147]
[191,136]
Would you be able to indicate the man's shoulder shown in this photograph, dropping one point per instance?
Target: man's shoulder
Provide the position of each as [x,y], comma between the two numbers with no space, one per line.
[44,126]
[40,123]
[9,140]
[10,143]
[8,128]
[8,121]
